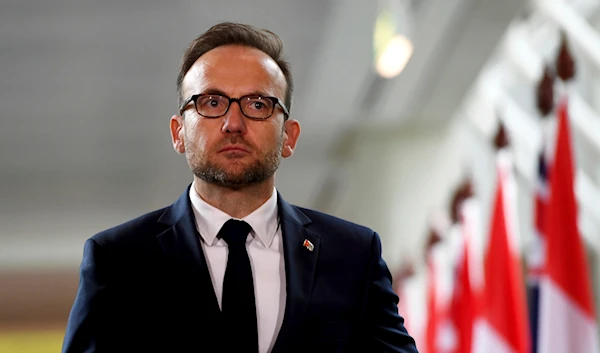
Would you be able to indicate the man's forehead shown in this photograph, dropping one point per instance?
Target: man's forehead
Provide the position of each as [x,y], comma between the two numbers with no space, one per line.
[237,65]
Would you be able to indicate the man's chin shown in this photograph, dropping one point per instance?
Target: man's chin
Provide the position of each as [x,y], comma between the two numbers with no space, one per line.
[230,178]
[237,180]
[234,173]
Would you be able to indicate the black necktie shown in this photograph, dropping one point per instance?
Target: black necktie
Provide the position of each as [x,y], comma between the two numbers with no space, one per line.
[238,304]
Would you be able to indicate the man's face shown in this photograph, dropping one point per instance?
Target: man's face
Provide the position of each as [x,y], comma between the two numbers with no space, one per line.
[233,150]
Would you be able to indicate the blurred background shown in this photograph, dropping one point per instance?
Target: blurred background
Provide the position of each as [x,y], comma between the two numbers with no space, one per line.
[400,101]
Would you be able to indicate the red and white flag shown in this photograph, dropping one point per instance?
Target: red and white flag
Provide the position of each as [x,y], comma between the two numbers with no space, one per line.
[440,332]
[405,285]
[465,308]
[506,327]
[567,317]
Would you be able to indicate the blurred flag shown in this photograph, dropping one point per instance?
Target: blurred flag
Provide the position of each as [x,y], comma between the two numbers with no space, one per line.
[465,307]
[506,328]
[407,306]
[536,252]
[433,312]
[440,336]
[567,315]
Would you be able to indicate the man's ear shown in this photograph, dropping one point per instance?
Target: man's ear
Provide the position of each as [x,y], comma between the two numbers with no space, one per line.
[177,134]
[291,132]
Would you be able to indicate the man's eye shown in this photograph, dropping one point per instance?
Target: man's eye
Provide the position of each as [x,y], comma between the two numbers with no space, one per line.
[210,102]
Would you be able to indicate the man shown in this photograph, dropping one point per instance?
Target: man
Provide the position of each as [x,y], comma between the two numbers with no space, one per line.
[231,266]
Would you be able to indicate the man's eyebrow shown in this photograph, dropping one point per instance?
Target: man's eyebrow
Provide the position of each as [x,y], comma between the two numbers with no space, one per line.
[214,91]
[221,93]
[257,93]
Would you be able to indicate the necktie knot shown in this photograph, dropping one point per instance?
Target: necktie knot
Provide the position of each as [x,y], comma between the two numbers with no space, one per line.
[235,232]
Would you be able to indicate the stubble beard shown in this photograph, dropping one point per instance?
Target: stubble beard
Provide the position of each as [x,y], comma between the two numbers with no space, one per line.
[214,173]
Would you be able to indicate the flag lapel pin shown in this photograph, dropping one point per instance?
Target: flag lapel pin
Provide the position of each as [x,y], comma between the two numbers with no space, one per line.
[307,244]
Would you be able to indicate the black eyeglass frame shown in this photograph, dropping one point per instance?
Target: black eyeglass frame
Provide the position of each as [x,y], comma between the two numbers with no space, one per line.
[275,101]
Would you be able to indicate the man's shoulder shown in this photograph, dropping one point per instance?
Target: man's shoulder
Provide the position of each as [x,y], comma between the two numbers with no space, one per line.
[328,222]
[133,230]
[340,237]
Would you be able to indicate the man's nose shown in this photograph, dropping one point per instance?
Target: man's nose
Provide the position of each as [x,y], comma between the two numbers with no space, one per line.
[235,122]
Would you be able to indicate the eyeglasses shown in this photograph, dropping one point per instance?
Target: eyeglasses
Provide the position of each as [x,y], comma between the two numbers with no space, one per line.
[252,106]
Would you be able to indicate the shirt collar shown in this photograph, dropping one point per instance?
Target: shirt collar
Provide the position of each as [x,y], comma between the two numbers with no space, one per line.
[209,219]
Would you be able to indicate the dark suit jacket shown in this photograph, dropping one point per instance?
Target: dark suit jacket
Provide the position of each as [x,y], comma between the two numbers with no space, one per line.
[145,287]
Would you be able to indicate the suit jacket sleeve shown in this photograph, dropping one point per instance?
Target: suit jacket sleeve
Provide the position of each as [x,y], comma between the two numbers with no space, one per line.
[385,327]
[87,314]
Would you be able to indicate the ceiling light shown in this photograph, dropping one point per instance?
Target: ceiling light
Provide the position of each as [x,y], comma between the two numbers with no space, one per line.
[392,44]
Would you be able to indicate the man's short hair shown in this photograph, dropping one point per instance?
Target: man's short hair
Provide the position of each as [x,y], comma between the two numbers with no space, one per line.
[228,33]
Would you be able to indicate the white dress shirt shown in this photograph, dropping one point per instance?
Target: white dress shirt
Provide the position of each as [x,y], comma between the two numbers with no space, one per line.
[265,250]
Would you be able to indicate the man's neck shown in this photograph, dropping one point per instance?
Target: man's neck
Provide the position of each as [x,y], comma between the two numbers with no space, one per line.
[239,202]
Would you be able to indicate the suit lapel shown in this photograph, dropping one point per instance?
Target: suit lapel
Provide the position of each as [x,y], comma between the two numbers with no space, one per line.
[181,245]
[300,264]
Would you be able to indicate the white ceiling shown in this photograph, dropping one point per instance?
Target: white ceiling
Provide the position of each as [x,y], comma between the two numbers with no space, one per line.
[87,88]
